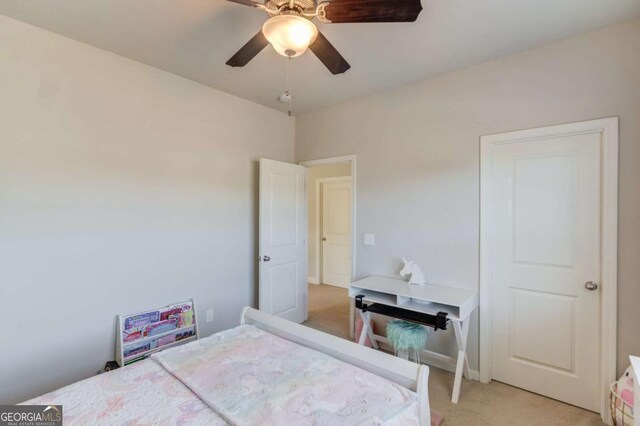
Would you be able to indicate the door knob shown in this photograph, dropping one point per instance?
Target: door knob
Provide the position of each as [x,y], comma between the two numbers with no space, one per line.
[266,258]
[324,239]
[590,285]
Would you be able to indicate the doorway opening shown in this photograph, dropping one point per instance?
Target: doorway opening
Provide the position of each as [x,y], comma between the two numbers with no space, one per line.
[330,243]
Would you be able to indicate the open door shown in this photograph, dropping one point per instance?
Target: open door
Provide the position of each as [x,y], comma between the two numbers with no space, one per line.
[282,244]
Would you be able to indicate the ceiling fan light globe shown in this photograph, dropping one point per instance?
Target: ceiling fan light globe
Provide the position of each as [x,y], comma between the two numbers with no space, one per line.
[290,35]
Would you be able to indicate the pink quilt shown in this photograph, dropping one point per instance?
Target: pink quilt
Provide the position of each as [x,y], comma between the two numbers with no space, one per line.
[241,376]
[140,394]
[252,377]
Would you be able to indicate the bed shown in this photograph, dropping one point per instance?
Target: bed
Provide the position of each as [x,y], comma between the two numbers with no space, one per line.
[266,371]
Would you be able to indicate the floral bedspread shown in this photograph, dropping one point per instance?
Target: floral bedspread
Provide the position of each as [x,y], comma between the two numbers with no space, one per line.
[242,376]
[252,377]
[143,393]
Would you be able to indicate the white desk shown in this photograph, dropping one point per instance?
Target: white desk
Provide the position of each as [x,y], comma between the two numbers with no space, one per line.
[429,299]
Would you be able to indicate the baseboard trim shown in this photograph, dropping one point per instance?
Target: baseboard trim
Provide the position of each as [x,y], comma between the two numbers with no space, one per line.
[313,280]
[445,362]
[434,359]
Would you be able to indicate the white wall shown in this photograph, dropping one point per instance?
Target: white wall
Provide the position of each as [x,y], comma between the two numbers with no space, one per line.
[313,174]
[418,156]
[122,187]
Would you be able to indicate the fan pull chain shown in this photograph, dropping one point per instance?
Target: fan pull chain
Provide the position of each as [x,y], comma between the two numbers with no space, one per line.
[287,91]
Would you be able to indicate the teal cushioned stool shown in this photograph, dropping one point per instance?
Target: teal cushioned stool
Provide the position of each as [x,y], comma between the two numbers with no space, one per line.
[405,335]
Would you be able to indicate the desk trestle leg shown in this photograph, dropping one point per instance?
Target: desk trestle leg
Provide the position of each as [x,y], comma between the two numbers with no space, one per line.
[461,329]
[366,330]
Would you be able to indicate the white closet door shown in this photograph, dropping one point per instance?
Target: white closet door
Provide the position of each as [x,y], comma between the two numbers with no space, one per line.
[545,212]
[283,250]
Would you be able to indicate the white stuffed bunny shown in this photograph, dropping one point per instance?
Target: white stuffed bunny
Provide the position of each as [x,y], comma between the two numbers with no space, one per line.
[624,389]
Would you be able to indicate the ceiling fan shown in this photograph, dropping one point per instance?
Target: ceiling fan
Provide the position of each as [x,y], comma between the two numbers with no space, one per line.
[290,31]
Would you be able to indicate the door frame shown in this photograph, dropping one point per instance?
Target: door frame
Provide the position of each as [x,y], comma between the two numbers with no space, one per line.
[319,183]
[608,127]
[331,161]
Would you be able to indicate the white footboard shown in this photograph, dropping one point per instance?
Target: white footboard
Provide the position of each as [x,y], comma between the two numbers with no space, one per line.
[400,371]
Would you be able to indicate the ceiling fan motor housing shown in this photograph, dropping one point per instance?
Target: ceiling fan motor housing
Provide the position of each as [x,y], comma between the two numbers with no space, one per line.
[300,7]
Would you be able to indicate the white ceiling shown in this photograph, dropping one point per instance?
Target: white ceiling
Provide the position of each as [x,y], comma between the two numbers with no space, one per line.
[194,39]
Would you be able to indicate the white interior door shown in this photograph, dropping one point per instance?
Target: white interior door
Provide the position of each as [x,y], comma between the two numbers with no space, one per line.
[283,251]
[336,233]
[544,239]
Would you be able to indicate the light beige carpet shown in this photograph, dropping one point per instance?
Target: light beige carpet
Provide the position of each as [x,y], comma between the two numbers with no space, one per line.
[329,309]
[480,404]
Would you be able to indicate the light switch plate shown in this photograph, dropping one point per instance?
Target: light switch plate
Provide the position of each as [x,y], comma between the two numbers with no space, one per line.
[209,315]
[369,239]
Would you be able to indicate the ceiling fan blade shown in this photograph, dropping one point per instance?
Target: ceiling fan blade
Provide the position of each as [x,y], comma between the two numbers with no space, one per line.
[246,2]
[248,51]
[355,11]
[328,55]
